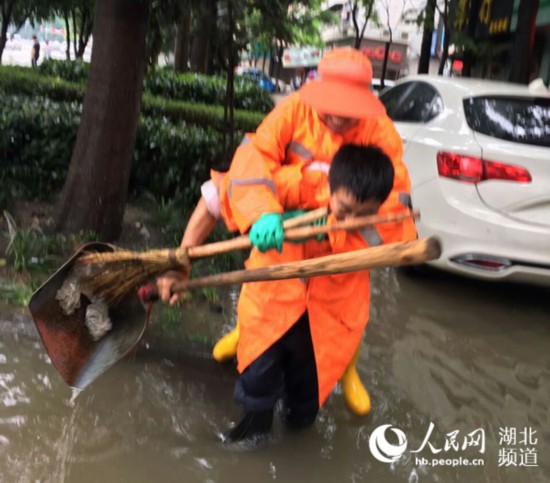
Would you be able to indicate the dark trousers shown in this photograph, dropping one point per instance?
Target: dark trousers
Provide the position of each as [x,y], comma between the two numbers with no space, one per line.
[287,369]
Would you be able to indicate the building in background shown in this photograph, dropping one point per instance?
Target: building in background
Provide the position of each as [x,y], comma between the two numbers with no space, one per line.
[493,26]
[406,38]
[541,51]
[493,29]
[299,62]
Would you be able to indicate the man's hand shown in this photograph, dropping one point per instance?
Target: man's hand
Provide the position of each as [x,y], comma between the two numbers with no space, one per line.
[167,280]
[267,232]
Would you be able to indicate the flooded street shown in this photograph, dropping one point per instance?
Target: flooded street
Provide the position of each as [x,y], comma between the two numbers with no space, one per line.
[469,360]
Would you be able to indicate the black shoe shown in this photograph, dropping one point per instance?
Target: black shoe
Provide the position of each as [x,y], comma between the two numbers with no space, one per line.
[299,417]
[296,420]
[254,426]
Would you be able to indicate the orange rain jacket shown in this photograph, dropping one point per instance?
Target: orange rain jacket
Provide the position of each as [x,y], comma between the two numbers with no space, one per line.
[284,166]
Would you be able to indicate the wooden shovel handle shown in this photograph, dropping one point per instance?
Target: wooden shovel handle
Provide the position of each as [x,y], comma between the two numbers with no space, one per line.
[243,242]
[403,253]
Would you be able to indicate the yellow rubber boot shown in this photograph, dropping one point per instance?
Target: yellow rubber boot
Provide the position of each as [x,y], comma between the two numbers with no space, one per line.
[356,396]
[226,347]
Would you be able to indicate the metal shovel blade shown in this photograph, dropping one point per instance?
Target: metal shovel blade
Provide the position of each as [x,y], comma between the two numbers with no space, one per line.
[77,357]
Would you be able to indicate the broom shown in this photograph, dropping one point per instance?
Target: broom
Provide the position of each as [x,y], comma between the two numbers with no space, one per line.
[114,274]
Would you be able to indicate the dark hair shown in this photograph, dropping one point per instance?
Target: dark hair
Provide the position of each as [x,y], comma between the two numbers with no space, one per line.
[365,171]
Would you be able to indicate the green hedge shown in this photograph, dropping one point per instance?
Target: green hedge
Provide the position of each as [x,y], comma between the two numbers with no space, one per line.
[36,144]
[170,159]
[166,83]
[207,90]
[72,71]
[27,82]
[200,114]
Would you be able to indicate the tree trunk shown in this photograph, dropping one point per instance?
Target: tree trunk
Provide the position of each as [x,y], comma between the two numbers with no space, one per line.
[75,50]
[446,41]
[6,20]
[386,55]
[427,35]
[360,33]
[229,107]
[385,63]
[181,50]
[357,42]
[280,51]
[471,30]
[522,49]
[200,52]
[86,26]
[3,38]
[94,193]
[272,54]
[67,35]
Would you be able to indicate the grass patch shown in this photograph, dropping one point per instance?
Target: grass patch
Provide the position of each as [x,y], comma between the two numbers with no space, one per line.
[17,293]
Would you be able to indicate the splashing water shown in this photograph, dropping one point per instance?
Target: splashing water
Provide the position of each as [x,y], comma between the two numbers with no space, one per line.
[67,440]
[74,395]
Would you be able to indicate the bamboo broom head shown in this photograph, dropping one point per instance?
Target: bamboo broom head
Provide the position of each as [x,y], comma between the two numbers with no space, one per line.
[114,274]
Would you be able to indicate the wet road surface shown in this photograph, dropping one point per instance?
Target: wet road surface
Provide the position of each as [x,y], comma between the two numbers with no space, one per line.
[463,358]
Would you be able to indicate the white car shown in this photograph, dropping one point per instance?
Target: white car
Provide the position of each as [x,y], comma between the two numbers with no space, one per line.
[478,154]
[376,85]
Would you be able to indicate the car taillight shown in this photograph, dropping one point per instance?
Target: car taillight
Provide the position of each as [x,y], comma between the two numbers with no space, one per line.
[470,169]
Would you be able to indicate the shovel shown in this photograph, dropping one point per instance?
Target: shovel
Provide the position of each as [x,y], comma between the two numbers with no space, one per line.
[80,360]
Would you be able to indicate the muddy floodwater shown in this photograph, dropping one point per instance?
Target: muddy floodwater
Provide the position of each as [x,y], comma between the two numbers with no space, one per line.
[458,372]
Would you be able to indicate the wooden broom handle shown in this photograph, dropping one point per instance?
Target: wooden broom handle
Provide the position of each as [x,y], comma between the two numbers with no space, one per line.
[243,242]
[403,253]
[355,223]
[307,217]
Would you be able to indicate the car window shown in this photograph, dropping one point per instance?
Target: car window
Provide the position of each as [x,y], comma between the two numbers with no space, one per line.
[517,119]
[418,102]
[391,98]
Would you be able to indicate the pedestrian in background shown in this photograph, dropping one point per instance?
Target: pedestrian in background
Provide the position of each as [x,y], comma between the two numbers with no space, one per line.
[35,52]
[47,50]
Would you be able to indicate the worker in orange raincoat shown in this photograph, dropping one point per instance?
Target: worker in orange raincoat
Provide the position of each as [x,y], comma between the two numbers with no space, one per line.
[285,165]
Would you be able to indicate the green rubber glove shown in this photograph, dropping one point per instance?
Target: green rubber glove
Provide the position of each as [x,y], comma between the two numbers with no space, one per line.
[267,232]
[319,222]
[287,215]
